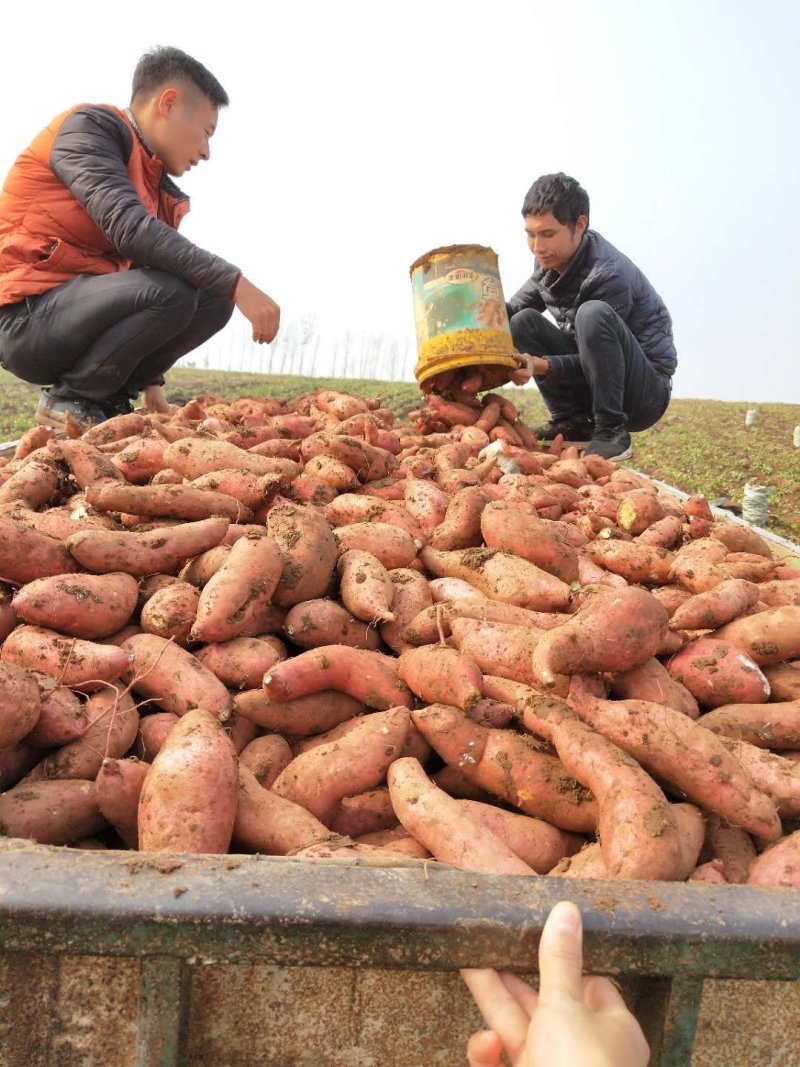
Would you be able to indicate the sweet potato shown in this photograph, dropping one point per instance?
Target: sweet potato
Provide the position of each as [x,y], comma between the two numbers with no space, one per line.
[52,813]
[267,757]
[779,593]
[69,659]
[638,509]
[27,554]
[269,823]
[325,622]
[664,533]
[652,681]
[638,833]
[710,610]
[428,625]
[719,672]
[333,472]
[34,484]
[396,841]
[310,553]
[507,766]
[350,508]
[729,846]
[152,733]
[438,674]
[119,785]
[199,570]
[588,863]
[537,843]
[739,537]
[113,720]
[141,460]
[369,677]
[236,600]
[779,865]
[194,456]
[767,637]
[365,587]
[447,829]
[634,561]
[784,681]
[390,545]
[35,437]
[62,716]
[242,662]
[86,605]
[173,678]
[302,717]
[498,648]
[364,813]
[320,778]
[617,631]
[186,502]
[368,461]
[426,503]
[20,704]
[411,594]
[775,776]
[159,551]
[696,565]
[170,612]
[775,726]
[87,465]
[514,527]
[189,797]
[500,576]
[461,526]
[680,752]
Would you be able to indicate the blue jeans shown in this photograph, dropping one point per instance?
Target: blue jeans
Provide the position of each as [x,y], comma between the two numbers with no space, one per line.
[100,335]
[603,373]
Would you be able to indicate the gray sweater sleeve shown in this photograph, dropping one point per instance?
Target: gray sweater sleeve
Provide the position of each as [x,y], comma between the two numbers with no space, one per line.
[89,156]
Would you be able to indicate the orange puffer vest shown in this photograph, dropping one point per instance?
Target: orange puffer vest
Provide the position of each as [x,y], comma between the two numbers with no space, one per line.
[46,236]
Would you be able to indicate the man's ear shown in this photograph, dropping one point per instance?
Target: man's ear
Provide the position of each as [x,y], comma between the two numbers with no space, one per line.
[167,102]
[581,224]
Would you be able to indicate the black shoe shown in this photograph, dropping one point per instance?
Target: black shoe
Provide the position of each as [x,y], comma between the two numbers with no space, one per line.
[611,442]
[53,410]
[577,429]
[118,404]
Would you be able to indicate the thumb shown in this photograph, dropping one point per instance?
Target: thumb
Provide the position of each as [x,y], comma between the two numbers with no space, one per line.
[561,954]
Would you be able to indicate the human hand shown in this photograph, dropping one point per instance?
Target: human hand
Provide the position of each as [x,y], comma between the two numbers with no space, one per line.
[571,1020]
[530,367]
[155,399]
[262,311]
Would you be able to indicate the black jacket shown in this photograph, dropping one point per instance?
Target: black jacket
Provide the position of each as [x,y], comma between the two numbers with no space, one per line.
[599,271]
[90,156]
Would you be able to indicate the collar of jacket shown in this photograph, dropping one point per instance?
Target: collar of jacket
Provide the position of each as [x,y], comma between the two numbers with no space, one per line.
[554,281]
[135,123]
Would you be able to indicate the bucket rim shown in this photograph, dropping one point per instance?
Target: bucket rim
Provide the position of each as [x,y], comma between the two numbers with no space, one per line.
[449,250]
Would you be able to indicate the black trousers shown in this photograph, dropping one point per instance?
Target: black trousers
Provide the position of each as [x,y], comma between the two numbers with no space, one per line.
[100,335]
[602,373]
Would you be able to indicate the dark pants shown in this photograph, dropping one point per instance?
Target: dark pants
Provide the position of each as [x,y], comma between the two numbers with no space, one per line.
[100,335]
[602,373]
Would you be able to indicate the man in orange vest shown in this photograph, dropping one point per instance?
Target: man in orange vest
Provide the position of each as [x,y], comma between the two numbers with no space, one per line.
[99,293]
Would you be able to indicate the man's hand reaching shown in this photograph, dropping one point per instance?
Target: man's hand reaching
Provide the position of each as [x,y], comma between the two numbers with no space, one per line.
[261,310]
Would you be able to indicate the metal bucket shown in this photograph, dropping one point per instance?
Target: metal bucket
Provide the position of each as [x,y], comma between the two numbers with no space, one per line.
[460,311]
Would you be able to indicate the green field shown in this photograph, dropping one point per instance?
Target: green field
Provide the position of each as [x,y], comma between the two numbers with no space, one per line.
[699,446]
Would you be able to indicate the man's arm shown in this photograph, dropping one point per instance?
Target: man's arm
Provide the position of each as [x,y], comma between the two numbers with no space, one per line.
[609,285]
[528,296]
[89,156]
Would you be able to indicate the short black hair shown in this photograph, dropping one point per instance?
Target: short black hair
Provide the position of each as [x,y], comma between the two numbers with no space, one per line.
[558,195]
[164,64]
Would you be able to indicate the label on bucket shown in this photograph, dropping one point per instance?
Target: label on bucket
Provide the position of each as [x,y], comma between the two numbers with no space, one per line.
[465,297]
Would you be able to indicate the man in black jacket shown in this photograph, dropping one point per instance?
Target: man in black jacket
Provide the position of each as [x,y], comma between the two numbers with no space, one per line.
[99,293]
[605,367]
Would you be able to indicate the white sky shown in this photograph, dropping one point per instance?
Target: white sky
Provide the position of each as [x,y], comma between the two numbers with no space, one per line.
[361,134]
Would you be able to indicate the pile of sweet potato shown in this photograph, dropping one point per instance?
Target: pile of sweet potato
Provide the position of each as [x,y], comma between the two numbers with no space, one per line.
[301,628]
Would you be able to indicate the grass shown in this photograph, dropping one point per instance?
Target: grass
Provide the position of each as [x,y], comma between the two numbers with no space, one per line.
[700,446]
